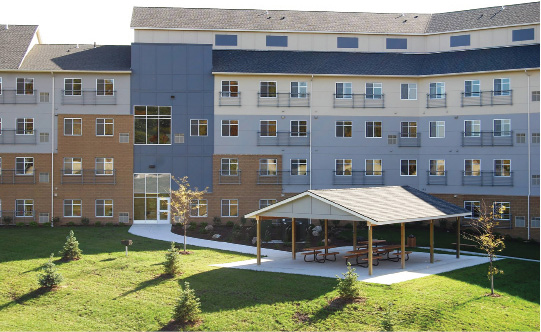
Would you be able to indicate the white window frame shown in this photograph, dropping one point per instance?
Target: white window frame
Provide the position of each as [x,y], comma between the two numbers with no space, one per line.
[106,123]
[73,125]
[263,203]
[472,165]
[410,133]
[28,126]
[72,92]
[72,203]
[229,124]
[535,138]
[229,203]
[439,128]
[104,166]
[344,163]
[500,169]
[474,124]
[505,128]
[373,131]
[436,90]
[343,124]
[73,162]
[24,161]
[346,86]
[522,224]
[139,118]
[437,163]
[475,212]
[375,87]
[196,206]
[0,85]
[268,123]
[412,91]
[106,81]
[475,92]
[229,171]
[24,202]
[25,82]
[506,215]
[301,167]
[228,92]
[201,124]
[266,167]
[268,94]
[535,222]
[105,203]
[504,82]
[302,90]
[298,125]
[409,164]
[376,165]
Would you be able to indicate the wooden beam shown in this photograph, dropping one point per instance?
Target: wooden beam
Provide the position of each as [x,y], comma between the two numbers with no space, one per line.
[293,251]
[258,218]
[370,250]
[326,233]
[457,237]
[431,241]
[403,244]
[354,235]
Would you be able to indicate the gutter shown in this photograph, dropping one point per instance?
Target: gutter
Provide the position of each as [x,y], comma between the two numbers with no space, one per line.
[52,148]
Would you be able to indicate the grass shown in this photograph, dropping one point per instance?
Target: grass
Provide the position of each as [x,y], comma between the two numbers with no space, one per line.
[107,291]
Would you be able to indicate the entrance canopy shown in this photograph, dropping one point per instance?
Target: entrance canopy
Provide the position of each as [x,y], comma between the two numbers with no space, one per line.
[375,205]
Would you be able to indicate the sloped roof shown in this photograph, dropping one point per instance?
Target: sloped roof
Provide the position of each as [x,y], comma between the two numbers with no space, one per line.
[81,57]
[377,205]
[14,43]
[317,21]
[357,63]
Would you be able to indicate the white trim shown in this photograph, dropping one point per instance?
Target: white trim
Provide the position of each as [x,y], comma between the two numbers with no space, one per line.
[494,168]
[365,131]
[275,133]
[416,167]
[416,91]
[429,122]
[275,86]
[222,125]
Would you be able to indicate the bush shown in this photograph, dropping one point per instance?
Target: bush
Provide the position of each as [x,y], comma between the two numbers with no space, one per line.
[217,221]
[109,224]
[49,278]
[46,224]
[71,249]
[20,224]
[7,220]
[85,221]
[56,220]
[335,223]
[230,223]
[97,223]
[171,266]
[243,221]
[348,287]
[71,223]
[253,221]
[188,307]
[33,224]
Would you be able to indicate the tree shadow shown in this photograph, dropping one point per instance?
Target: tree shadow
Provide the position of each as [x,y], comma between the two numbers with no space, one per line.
[26,297]
[145,284]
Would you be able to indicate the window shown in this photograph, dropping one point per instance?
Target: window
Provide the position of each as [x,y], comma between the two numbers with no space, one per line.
[229,166]
[535,138]
[25,126]
[43,97]
[267,89]
[408,91]
[520,221]
[198,127]
[502,127]
[373,129]
[73,166]
[230,207]
[523,34]
[535,222]
[72,86]
[105,127]
[391,139]
[437,167]
[373,167]
[343,167]
[344,128]
[299,90]
[104,208]
[230,89]
[408,129]
[225,40]
[73,127]
[472,128]
[374,90]
[105,87]
[502,167]
[43,137]
[123,137]
[104,166]
[472,167]
[276,41]
[299,128]
[474,207]
[198,208]
[462,40]
[396,43]
[437,129]
[408,167]
[506,213]
[299,167]
[535,95]
[535,179]
[347,42]
[24,207]
[502,87]
[230,128]
[472,88]
[521,138]
[24,165]
[263,203]
[268,167]
[267,128]
[343,91]
[437,90]
[152,124]
[73,208]
[25,86]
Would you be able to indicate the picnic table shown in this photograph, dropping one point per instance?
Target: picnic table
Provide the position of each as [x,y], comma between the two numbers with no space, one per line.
[321,251]
[364,244]
[379,253]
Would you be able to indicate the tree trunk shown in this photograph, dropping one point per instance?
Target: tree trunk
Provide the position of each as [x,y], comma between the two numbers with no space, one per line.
[185,228]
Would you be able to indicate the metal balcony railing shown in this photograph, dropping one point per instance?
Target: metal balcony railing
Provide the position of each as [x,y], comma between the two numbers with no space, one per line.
[285,177]
[228,98]
[269,177]
[409,139]
[357,100]
[284,99]
[284,138]
[505,224]
[486,178]
[437,100]
[87,176]
[487,98]
[487,138]
[88,97]
[358,178]
[11,97]
[10,176]
[438,178]
[10,136]
[229,177]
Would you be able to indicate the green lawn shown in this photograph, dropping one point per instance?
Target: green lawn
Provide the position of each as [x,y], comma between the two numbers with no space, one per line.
[107,291]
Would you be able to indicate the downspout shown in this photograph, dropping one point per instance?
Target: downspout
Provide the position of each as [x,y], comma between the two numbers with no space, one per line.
[52,150]
[528,137]
[310,129]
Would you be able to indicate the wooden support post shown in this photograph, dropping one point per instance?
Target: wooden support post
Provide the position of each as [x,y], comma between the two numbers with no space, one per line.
[370,250]
[403,244]
[258,218]
[293,251]
[355,235]
[431,241]
[457,237]
[326,233]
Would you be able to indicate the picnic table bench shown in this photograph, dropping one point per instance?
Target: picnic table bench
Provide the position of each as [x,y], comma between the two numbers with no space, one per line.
[317,251]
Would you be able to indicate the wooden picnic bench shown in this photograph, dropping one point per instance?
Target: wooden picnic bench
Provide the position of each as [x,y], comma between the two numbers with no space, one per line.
[317,251]
[399,256]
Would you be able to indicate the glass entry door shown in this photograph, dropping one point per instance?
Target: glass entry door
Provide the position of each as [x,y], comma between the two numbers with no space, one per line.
[163,210]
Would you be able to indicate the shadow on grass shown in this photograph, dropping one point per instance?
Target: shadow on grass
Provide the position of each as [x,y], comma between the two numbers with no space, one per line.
[145,284]
[26,297]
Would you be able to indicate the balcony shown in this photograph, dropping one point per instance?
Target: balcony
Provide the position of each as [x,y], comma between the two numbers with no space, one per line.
[229,177]
[10,176]
[284,100]
[487,98]
[11,97]
[283,177]
[440,179]
[10,136]
[487,138]
[228,98]
[357,100]
[409,139]
[87,176]
[358,178]
[436,100]
[88,97]
[283,138]
[485,178]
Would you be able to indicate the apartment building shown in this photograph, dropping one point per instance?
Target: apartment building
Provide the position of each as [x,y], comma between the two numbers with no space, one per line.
[260,105]
[66,144]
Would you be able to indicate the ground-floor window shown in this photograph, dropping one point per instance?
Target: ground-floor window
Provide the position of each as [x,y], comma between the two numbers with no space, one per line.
[230,207]
[198,208]
[73,208]
[104,208]
[24,207]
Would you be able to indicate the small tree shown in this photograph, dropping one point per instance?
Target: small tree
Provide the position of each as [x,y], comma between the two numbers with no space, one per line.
[184,200]
[188,307]
[71,249]
[485,237]
[50,277]
[348,287]
[172,261]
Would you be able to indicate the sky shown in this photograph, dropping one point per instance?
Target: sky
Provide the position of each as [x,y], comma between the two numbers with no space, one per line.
[107,22]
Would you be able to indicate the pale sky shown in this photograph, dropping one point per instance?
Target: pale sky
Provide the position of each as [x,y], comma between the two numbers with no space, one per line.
[107,22]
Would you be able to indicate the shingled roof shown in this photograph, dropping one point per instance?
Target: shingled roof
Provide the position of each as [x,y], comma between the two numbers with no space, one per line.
[312,21]
[14,43]
[78,57]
